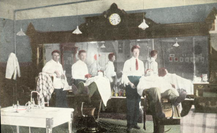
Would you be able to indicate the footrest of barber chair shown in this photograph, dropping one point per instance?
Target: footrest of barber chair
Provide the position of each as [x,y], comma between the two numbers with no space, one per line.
[167,109]
[172,115]
[171,111]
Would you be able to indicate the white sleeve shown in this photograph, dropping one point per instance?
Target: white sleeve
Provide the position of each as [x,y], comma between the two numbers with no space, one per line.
[10,68]
[143,69]
[72,72]
[124,79]
[18,68]
[113,70]
[107,72]
[48,69]
[75,72]
[146,65]
[85,70]
[79,71]
[155,68]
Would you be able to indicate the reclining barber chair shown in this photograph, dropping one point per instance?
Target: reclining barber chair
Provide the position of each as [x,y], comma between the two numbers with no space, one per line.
[88,121]
[171,112]
[87,111]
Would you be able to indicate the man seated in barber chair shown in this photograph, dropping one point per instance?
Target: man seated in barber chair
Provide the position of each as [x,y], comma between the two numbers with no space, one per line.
[80,73]
[155,88]
[93,89]
[183,86]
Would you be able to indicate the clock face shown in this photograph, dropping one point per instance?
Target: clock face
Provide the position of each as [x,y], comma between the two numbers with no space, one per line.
[114,19]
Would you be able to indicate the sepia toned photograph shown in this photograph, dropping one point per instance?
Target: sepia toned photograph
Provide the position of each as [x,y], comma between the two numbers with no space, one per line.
[106,66]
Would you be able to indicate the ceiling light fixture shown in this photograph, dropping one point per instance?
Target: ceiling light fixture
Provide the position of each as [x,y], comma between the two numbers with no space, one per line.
[143,25]
[21,33]
[176,44]
[102,46]
[77,30]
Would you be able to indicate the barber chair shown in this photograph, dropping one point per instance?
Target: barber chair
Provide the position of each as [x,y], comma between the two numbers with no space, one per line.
[87,111]
[172,114]
[88,121]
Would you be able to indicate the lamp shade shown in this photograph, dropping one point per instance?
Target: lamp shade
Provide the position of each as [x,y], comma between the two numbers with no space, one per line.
[143,25]
[102,46]
[77,31]
[21,33]
[176,45]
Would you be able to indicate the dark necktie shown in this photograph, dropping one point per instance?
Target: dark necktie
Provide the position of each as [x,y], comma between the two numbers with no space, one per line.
[137,65]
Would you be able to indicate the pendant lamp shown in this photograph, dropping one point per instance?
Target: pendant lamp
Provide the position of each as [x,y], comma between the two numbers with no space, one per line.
[21,33]
[77,30]
[143,25]
[176,44]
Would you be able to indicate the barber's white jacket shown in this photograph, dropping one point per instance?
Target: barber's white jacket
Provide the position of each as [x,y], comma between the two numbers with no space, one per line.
[110,71]
[79,70]
[130,69]
[152,65]
[52,66]
[12,67]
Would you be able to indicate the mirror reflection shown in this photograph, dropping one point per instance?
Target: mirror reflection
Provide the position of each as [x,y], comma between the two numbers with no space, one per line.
[174,54]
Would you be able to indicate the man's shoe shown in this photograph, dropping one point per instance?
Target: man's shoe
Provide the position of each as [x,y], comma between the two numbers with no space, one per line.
[136,127]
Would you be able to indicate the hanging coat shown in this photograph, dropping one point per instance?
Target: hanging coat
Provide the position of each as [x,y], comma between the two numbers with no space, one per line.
[12,68]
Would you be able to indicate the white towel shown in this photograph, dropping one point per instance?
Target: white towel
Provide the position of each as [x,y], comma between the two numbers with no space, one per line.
[12,67]
[180,83]
[66,86]
[103,86]
[44,85]
[152,81]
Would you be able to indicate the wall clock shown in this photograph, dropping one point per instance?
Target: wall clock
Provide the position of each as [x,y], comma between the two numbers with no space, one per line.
[114,19]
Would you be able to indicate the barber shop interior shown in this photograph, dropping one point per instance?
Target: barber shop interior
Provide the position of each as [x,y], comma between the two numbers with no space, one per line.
[108,66]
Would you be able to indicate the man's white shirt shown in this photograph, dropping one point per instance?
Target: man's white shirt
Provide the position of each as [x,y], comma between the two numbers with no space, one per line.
[79,70]
[50,68]
[152,64]
[110,71]
[130,69]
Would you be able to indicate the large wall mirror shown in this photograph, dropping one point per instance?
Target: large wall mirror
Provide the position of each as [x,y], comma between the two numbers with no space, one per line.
[187,59]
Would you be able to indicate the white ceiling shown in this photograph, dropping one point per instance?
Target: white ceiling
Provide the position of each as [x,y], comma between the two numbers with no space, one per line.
[7,7]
